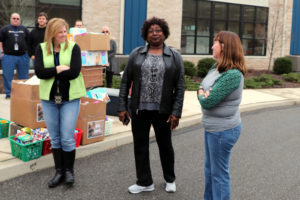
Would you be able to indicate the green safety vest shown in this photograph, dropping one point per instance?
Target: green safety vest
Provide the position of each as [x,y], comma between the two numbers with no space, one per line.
[77,88]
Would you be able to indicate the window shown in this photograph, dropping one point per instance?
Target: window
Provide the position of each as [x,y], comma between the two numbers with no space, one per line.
[203,19]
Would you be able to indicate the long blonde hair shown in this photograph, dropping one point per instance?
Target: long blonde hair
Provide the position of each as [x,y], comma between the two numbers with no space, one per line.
[52,29]
[232,54]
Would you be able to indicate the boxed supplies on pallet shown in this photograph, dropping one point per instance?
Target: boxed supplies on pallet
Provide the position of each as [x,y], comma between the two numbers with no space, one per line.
[91,58]
[25,105]
[92,76]
[93,42]
[91,120]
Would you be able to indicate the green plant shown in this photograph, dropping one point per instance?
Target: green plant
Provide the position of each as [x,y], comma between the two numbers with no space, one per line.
[262,81]
[292,77]
[122,66]
[204,65]
[116,81]
[190,84]
[283,65]
[189,68]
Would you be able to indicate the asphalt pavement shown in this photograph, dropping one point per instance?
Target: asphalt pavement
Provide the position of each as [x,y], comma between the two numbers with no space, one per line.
[265,164]
[11,167]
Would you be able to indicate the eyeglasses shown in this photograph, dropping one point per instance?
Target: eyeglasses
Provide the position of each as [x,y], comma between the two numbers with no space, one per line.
[15,18]
[157,31]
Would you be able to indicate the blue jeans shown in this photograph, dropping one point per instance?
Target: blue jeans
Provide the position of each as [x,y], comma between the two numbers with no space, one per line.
[218,148]
[61,122]
[9,63]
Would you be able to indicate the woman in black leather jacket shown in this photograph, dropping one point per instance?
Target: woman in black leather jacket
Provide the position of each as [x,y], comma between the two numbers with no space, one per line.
[156,74]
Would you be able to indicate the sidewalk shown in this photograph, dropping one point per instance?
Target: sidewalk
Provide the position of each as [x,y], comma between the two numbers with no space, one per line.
[11,167]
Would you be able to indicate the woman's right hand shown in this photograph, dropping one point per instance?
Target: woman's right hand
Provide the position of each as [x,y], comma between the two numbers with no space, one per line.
[122,115]
[61,68]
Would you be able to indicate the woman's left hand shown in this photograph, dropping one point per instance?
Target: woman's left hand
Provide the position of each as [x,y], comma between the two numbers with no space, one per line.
[174,122]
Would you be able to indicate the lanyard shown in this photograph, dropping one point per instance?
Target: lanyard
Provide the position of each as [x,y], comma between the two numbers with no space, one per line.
[56,62]
[56,58]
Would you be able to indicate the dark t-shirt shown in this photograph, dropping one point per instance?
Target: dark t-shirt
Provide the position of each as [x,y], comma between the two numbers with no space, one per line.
[36,37]
[15,40]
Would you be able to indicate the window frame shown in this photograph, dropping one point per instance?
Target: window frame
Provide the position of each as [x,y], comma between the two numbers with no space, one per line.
[241,26]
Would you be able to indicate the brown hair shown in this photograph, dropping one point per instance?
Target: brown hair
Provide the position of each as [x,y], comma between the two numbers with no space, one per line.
[232,54]
[43,14]
[53,27]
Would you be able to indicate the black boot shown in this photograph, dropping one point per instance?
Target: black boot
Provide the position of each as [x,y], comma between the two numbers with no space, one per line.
[69,158]
[59,175]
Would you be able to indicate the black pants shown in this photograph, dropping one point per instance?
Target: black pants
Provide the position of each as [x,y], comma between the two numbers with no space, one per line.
[109,77]
[141,124]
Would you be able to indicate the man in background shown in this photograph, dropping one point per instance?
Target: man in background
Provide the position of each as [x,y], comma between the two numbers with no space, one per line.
[14,40]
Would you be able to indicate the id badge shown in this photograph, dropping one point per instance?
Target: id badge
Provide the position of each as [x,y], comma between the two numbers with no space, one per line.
[58,98]
[16,47]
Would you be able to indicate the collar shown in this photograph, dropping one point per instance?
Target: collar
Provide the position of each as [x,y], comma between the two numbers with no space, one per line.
[166,50]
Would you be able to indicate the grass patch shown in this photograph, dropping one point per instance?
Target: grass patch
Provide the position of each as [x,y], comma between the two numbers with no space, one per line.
[262,81]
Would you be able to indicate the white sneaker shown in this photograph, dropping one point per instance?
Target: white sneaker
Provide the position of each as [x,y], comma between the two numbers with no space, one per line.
[171,187]
[134,189]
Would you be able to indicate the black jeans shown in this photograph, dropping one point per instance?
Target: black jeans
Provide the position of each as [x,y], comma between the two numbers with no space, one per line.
[109,77]
[141,124]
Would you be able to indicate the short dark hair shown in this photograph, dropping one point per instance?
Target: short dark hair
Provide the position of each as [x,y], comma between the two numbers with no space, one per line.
[158,21]
[43,14]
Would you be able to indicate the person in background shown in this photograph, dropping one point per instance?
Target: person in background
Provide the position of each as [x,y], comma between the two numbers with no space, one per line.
[78,23]
[58,64]
[156,73]
[220,95]
[111,67]
[14,44]
[37,34]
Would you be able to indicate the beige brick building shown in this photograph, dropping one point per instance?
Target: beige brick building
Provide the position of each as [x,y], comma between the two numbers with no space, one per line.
[98,13]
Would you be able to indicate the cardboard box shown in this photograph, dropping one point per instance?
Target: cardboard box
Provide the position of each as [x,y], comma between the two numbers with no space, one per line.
[93,42]
[92,58]
[25,105]
[24,91]
[91,120]
[92,76]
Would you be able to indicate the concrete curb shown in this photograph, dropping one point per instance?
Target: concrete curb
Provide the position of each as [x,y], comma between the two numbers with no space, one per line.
[13,168]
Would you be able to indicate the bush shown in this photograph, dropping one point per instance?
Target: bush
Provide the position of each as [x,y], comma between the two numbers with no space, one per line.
[292,77]
[283,65]
[204,65]
[190,84]
[189,68]
[262,81]
[122,67]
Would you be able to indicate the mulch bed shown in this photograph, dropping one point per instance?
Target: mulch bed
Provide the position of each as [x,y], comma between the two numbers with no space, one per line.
[286,84]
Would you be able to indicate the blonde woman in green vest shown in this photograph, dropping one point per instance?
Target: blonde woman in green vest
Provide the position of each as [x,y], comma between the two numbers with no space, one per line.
[58,65]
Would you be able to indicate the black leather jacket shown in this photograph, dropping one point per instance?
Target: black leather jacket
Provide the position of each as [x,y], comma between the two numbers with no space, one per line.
[173,84]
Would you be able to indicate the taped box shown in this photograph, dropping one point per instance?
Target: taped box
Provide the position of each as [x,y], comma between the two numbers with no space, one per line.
[91,120]
[25,105]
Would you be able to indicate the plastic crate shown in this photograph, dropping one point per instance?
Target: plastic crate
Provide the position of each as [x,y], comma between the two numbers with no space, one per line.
[46,147]
[26,152]
[4,128]
[47,142]
[108,126]
[77,137]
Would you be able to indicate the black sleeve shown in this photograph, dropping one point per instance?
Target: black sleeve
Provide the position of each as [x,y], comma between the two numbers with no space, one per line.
[113,49]
[40,71]
[75,66]
[30,46]
[27,40]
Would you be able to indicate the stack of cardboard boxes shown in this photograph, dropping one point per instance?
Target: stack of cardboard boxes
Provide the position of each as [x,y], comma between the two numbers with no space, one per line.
[94,56]
[26,110]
